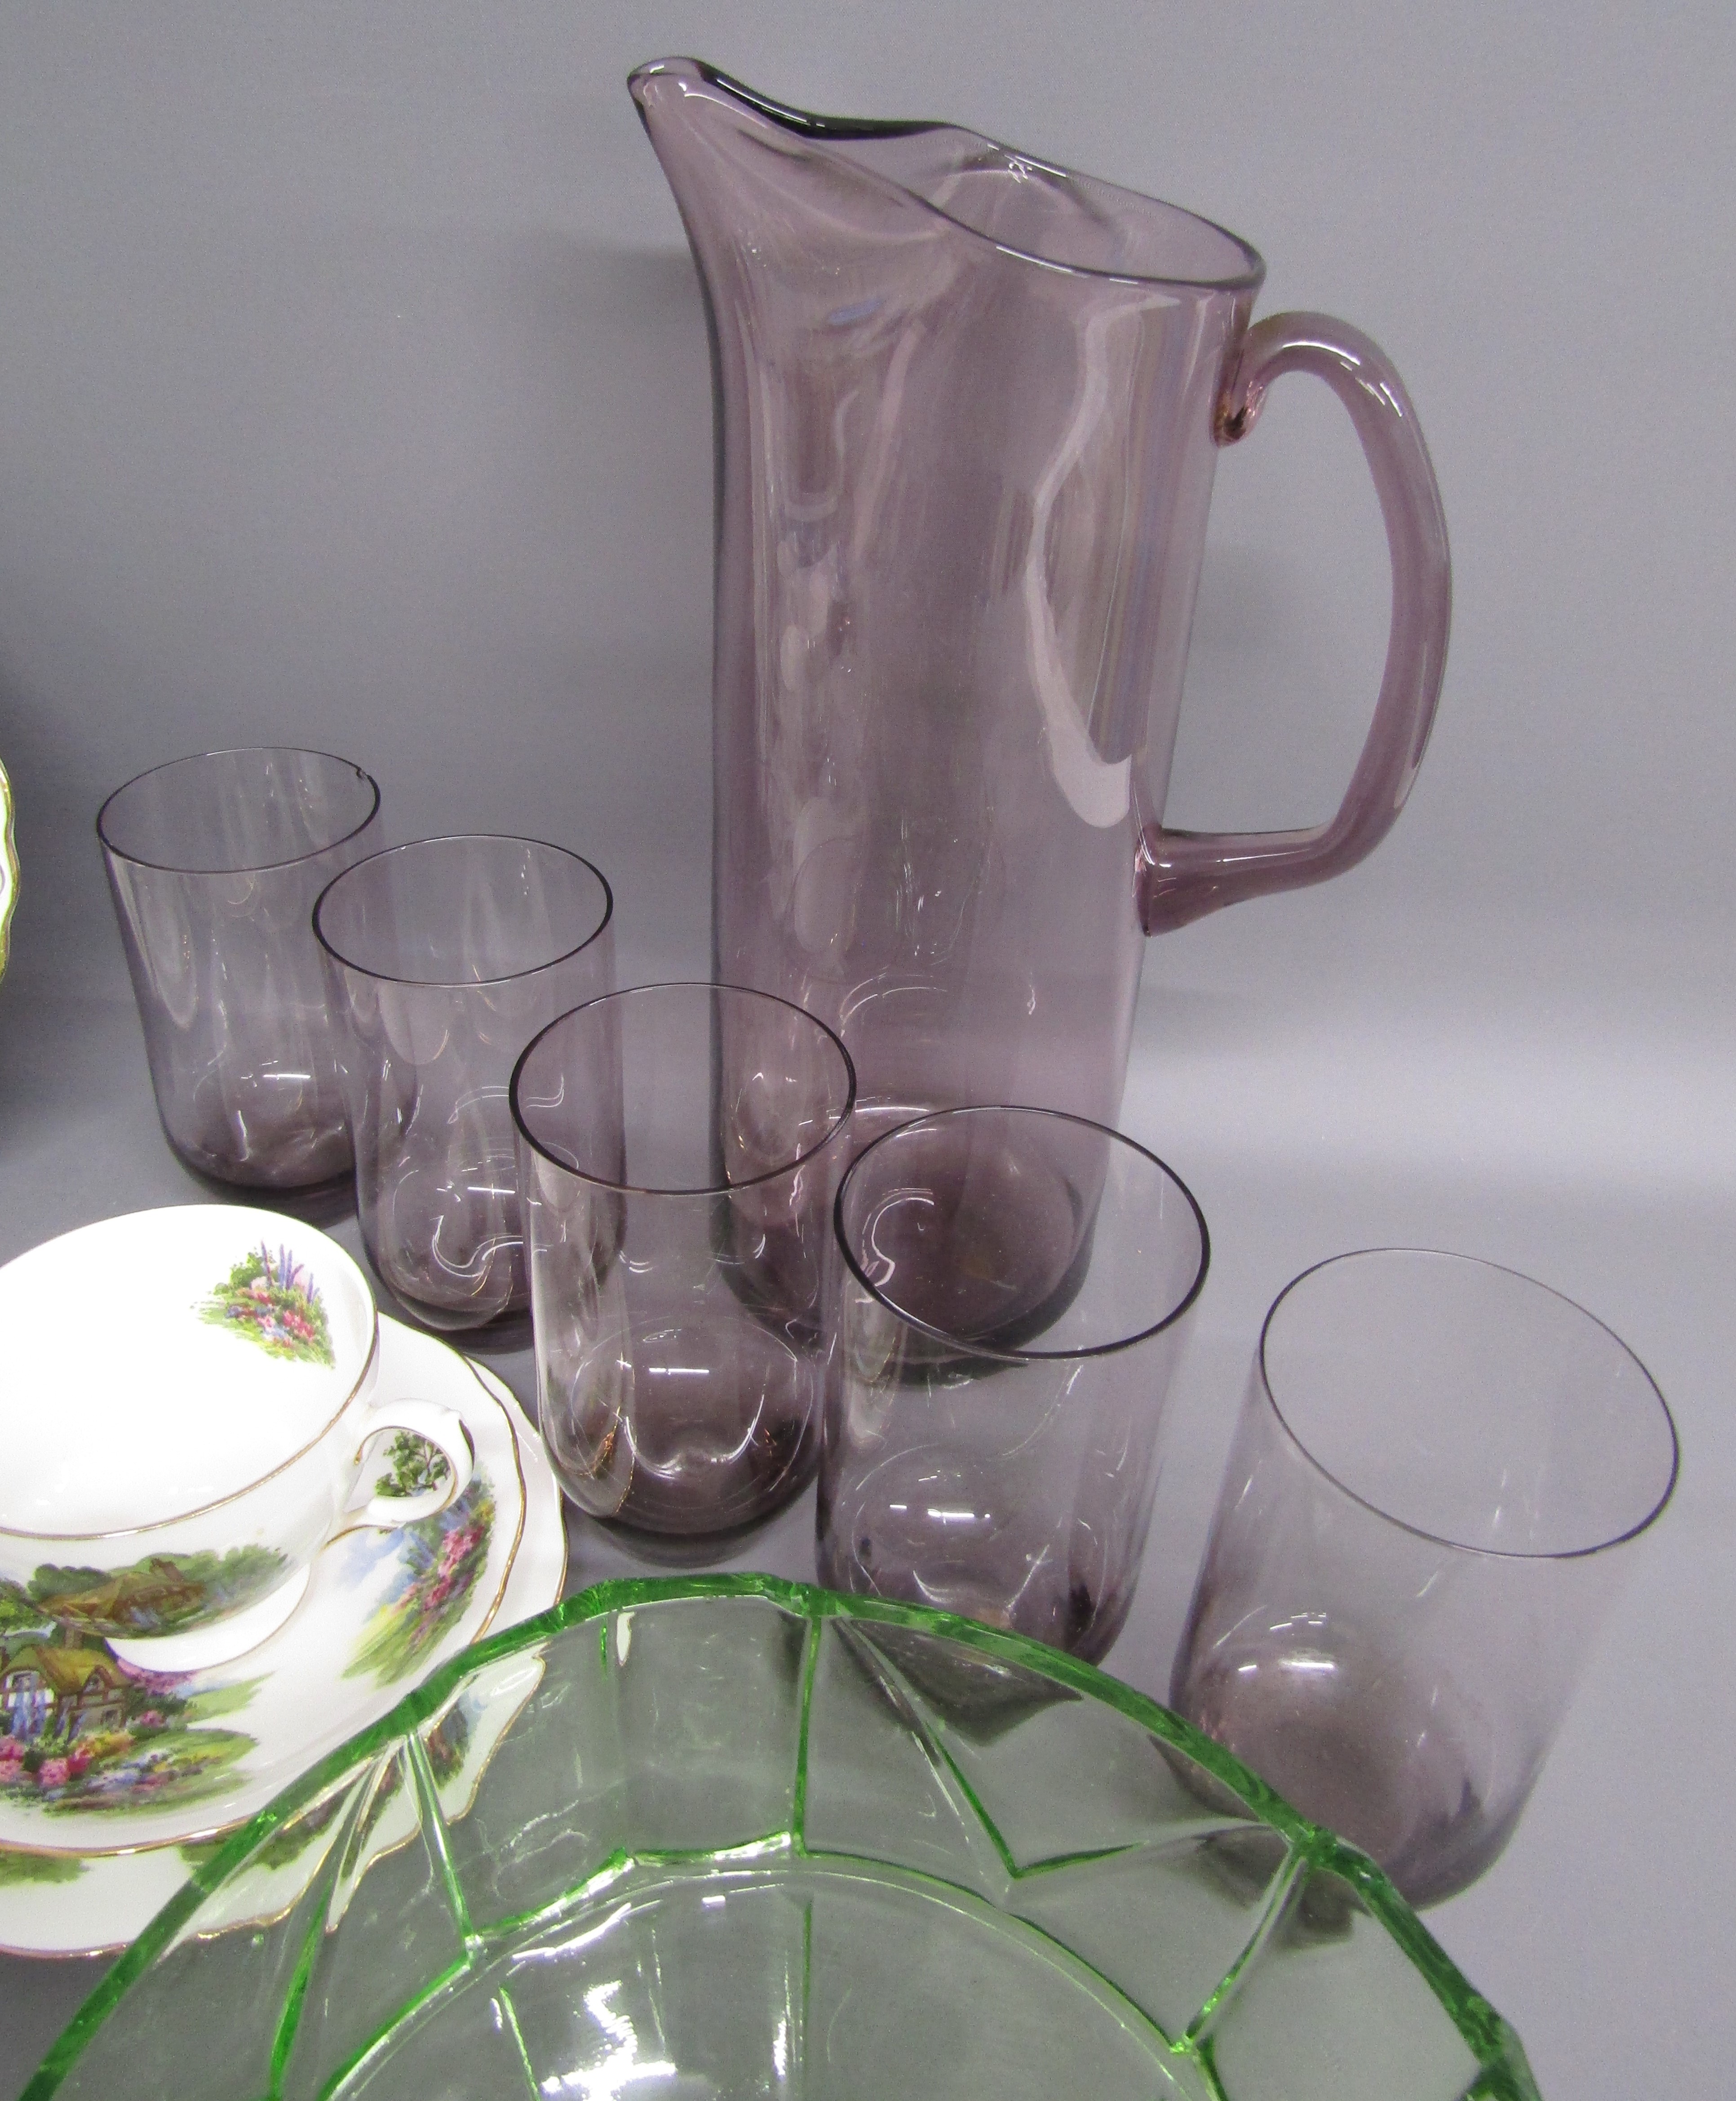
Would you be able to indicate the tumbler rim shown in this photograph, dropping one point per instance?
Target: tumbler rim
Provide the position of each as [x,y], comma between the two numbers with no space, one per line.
[967,1347]
[1513,1553]
[841,1123]
[463,984]
[236,751]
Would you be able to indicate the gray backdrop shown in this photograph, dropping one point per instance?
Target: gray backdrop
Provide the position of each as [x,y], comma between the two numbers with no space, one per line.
[353,393]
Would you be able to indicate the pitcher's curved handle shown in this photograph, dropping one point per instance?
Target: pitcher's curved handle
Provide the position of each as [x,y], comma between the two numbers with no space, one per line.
[1183,875]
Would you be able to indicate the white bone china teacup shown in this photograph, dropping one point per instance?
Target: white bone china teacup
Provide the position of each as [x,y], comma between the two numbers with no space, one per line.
[189,1410]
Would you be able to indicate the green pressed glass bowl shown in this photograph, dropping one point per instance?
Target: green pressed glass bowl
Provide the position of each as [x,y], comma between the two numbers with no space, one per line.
[681,1841]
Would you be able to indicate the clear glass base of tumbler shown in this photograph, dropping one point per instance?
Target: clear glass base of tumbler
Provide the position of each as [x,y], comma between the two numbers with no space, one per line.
[317,1201]
[720,1433]
[1360,1744]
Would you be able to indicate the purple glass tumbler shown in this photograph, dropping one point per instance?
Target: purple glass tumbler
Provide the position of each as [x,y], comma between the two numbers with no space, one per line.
[446,957]
[1011,1300]
[679,1148]
[214,863]
[1438,1469]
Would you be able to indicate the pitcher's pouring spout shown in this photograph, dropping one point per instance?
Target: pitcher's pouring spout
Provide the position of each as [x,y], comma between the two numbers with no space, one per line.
[1024,206]
[968,406]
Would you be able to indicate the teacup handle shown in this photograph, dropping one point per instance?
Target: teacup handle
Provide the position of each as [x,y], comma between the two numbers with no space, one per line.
[1183,875]
[442,1428]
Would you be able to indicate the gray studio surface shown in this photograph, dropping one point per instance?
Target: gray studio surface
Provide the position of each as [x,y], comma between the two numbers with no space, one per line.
[353,393]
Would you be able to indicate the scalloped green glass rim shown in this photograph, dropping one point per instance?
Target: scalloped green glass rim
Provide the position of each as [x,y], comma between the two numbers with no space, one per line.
[1505,2073]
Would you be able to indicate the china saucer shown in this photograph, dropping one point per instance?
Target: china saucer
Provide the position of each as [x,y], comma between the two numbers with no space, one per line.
[99,1827]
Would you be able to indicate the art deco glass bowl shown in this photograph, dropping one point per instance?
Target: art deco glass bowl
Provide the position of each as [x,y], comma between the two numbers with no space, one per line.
[681,1841]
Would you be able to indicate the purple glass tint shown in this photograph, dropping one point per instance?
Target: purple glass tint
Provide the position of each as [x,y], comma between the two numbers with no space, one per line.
[1436,1464]
[214,863]
[1010,1304]
[969,411]
[680,1146]
[446,957]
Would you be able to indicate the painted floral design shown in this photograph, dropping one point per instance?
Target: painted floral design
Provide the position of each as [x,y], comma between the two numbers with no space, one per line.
[439,1561]
[273,1300]
[413,1467]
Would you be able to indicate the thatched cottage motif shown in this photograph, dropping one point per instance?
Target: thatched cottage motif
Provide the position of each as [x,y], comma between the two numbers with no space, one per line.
[147,1599]
[47,1690]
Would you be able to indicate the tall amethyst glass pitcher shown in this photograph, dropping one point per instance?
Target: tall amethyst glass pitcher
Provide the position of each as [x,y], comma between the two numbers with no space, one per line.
[968,407]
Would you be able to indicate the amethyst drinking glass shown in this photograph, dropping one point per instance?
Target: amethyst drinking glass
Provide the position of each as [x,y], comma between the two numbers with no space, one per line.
[1010,1301]
[446,957]
[214,863]
[1437,1470]
[680,1146]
